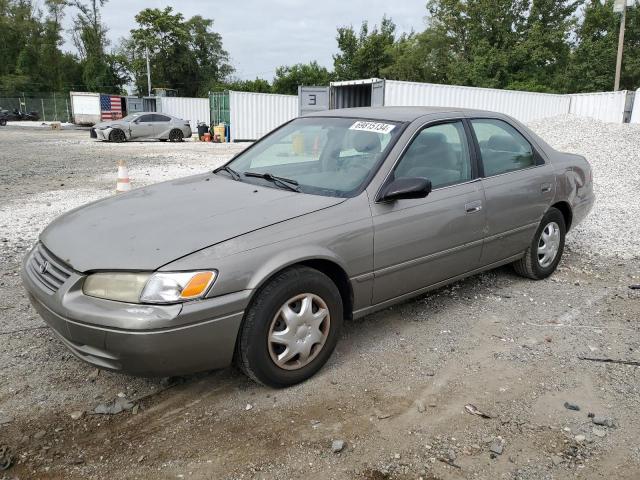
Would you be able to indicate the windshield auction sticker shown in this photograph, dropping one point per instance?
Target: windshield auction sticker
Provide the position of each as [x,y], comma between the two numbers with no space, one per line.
[375,127]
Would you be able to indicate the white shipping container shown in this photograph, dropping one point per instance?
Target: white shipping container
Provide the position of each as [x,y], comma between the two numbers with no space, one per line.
[524,106]
[85,107]
[252,115]
[195,110]
[635,113]
[604,106]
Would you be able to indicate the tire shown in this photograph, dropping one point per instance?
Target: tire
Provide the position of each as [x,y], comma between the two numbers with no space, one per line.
[256,356]
[538,264]
[117,136]
[176,135]
[3,123]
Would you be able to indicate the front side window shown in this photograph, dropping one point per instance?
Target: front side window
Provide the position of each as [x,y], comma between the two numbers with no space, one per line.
[146,119]
[502,147]
[439,153]
[323,156]
[161,118]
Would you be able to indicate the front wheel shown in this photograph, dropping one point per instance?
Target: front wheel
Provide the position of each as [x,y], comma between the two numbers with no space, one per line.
[3,122]
[117,136]
[545,252]
[291,328]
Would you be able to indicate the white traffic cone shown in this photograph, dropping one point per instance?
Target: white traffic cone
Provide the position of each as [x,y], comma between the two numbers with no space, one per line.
[123,184]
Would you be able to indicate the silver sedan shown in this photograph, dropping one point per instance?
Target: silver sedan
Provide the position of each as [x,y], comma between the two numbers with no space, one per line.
[143,125]
[330,217]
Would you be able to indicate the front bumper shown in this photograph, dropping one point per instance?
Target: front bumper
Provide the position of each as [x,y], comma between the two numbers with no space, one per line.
[100,134]
[146,340]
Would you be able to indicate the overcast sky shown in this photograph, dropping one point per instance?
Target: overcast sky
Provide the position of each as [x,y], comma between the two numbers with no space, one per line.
[262,35]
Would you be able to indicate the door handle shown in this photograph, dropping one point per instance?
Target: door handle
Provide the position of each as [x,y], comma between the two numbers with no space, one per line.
[473,207]
[545,188]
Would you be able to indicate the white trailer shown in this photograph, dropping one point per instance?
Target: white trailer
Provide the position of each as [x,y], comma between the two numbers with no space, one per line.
[85,108]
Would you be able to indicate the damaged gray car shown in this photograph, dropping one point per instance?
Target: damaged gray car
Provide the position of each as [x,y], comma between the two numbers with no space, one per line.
[330,217]
[143,126]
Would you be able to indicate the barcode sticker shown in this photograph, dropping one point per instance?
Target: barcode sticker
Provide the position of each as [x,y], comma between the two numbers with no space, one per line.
[376,127]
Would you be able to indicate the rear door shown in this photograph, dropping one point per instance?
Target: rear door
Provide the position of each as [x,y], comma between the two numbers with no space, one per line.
[143,127]
[519,186]
[313,99]
[161,125]
[420,242]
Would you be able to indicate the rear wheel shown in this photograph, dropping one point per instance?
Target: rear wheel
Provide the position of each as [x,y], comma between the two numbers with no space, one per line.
[176,135]
[3,122]
[291,328]
[545,252]
[117,136]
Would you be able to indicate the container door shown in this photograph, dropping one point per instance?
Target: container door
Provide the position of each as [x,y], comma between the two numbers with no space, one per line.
[377,94]
[313,99]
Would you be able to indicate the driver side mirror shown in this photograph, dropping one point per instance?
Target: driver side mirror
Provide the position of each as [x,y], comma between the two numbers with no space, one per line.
[405,188]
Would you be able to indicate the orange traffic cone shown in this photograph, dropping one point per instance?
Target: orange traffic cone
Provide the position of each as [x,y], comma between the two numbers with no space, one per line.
[123,184]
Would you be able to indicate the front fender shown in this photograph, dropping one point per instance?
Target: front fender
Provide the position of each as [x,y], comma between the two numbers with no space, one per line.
[341,234]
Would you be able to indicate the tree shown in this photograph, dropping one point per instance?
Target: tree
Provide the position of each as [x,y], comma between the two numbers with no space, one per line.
[100,71]
[422,57]
[593,62]
[482,37]
[288,79]
[543,54]
[259,85]
[185,54]
[364,55]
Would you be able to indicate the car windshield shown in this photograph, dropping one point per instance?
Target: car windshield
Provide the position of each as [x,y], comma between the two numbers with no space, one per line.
[317,155]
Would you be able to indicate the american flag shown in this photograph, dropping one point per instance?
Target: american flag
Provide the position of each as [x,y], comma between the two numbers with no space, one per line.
[110,107]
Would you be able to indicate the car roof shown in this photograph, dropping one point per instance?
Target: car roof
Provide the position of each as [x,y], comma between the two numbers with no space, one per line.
[397,114]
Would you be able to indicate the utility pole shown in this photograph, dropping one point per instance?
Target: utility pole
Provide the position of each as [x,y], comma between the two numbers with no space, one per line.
[620,45]
[148,71]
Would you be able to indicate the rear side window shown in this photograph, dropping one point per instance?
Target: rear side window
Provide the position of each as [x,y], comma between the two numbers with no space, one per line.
[439,153]
[160,118]
[502,147]
[146,118]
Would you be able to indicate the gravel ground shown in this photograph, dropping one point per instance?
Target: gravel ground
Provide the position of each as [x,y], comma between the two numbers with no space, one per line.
[394,392]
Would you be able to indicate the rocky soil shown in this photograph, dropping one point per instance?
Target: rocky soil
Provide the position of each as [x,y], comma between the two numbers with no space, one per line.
[483,379]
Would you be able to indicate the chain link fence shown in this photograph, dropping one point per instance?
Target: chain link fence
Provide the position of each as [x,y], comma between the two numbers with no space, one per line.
[51,107]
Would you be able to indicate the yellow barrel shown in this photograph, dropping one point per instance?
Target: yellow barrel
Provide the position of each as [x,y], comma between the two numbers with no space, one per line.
[218,133]
[297,141]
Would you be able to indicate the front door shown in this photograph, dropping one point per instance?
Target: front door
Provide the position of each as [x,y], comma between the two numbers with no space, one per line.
[420,242]
[519,187]
[143,127]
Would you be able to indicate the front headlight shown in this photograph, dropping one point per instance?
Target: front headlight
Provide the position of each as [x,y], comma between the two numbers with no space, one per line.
[161,287]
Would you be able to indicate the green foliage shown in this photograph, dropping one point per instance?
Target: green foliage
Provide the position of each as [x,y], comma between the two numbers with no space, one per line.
[364,55]
[594,59]
[259,85]
[537,45]
[186,55]
[288,79]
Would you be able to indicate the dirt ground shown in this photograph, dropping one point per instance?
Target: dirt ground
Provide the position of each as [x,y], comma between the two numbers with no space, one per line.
[394,391]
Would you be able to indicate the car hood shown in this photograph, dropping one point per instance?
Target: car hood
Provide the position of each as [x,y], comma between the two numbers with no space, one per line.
[152,226]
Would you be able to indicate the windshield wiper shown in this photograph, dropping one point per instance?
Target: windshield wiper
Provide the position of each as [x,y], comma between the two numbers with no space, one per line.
[235,175]
[284,182]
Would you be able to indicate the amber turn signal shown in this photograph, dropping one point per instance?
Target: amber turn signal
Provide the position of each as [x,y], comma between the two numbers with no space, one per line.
[197,285]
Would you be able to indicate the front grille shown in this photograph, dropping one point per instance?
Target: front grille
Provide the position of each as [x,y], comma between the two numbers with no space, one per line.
[50,272]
